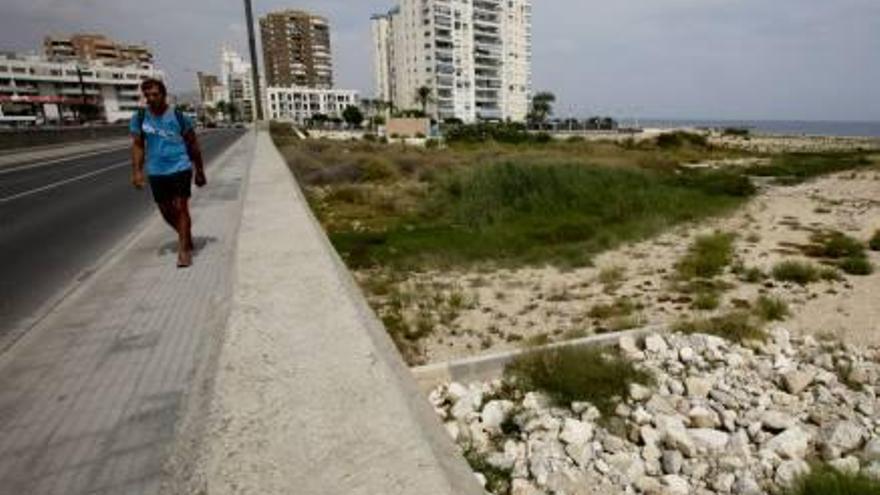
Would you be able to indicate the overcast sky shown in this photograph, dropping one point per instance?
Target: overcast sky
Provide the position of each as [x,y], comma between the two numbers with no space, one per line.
[714,59]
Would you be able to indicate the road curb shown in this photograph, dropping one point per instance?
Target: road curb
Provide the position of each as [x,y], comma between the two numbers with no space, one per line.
[490,367]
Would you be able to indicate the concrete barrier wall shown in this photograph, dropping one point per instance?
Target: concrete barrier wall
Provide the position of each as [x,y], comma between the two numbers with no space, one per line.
[26,138]
[311,396]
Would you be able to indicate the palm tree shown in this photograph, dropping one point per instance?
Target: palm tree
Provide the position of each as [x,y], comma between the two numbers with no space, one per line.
[542,107]
[380,107]
[424,96]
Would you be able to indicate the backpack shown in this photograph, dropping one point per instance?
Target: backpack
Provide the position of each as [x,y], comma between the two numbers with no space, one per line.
[142,114]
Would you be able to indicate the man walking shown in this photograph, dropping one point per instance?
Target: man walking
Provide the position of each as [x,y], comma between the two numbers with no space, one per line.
[164,138]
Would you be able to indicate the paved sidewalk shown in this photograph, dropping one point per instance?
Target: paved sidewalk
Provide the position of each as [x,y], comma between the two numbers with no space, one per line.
[90,399]
[310,395]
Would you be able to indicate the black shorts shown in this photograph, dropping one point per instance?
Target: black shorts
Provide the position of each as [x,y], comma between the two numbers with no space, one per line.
[167,187]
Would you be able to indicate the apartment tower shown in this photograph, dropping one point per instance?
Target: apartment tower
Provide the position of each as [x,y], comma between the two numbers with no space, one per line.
[97,47]
[296,50]
[473,55]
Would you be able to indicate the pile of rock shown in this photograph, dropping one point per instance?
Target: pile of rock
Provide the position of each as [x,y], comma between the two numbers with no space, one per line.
[721,418]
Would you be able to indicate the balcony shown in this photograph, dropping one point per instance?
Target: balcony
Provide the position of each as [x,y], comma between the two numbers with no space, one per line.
[445,69]
[78,92]
[489,113]
[22,90]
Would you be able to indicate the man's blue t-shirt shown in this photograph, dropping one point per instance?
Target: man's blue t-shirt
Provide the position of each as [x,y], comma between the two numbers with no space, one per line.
[165,148]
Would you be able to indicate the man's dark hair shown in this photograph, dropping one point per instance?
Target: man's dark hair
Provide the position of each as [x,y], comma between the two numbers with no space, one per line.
[151,83]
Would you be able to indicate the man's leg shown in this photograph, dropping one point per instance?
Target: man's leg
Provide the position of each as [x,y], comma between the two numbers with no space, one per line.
[169,213]
[184,232]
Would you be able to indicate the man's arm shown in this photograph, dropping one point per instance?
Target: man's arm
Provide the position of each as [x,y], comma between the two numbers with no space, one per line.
[137,162]
[195,154]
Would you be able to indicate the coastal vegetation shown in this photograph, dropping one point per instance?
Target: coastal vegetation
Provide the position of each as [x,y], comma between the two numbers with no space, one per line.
[826,480]
[566,375]
[503,203]
[486,240]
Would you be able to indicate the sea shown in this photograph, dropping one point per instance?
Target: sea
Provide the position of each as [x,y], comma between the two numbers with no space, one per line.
[786,127]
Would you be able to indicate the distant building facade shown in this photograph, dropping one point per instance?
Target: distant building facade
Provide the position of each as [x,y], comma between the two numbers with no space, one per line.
[383,55]
[296,50]
[36,87]
[211,90]
[237,80]
[96,47]
[297,104]
[473,55]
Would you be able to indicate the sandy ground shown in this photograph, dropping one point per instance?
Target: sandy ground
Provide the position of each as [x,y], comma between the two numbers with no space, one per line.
[759,143]
[778,143]
[503,308]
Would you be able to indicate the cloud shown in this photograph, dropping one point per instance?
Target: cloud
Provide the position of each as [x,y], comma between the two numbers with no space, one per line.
[798,59]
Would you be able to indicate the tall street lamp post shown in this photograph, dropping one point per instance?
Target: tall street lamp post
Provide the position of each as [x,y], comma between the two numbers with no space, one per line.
[258,101]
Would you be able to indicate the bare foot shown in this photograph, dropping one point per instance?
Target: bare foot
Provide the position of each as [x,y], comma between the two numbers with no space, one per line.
[184,259]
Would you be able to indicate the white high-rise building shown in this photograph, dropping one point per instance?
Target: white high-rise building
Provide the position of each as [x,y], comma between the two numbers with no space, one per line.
[235,75]
[382,55]
[473,55]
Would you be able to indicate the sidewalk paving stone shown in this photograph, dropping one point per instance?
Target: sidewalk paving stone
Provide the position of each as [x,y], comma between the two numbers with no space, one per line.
[90,399]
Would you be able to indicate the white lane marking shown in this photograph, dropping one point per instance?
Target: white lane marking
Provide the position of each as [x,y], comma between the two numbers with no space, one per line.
[60,183]
[29,166]
[9,170]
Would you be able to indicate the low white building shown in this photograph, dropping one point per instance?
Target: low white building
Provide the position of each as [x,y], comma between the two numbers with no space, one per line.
[36,89]
[298,104]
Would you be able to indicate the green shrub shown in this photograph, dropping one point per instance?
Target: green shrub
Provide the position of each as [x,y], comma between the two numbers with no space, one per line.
[735,326]
[378,169]
[718,182]
[736,131]
[830,274]
[824,480]
[856,265]
[612,275]
[799,272]
[432,144]
[678,139]
[559,214]
[707,257]
[753,275]
[577,374]
[874,243]
[834,245]
[510,133]
[348,193]
[621,307]
[707,301]
[798,167]
[541,138]
[771,309]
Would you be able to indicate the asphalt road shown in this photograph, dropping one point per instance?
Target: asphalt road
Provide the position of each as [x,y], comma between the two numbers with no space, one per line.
[58,218]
